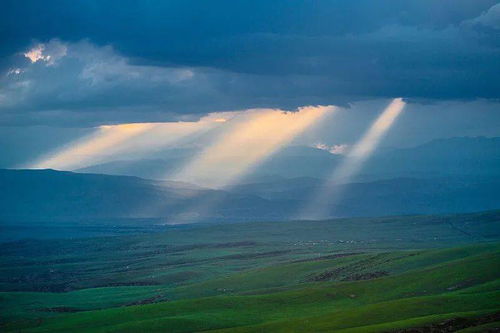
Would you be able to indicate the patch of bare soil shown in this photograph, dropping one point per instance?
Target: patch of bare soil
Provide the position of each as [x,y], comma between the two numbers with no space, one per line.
[365,276]
[60,309]
[340,274]
[455,324]
[331,256]
[150,300]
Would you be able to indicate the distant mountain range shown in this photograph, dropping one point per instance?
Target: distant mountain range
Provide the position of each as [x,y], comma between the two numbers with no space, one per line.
[290,162]
[443,176]
[471,157]
[52,197]
[398,196]
[44,195]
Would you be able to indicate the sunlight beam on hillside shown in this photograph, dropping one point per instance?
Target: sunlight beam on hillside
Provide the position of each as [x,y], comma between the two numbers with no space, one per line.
[247,144]
[252,137]
[318,206]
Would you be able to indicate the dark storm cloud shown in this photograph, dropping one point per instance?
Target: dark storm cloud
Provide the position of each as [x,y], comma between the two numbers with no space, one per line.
[81,84]
[161,60]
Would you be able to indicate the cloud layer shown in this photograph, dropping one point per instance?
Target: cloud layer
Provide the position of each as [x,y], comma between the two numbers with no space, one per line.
[94,62]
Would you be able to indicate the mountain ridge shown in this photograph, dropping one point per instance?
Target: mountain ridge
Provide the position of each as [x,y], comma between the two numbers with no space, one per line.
[440,157]
[55,195]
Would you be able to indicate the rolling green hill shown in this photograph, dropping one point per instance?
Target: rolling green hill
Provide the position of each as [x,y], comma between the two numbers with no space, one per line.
[352,275]
[460,282]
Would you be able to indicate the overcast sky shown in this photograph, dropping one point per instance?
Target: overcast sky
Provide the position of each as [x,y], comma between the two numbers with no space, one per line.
[68,66]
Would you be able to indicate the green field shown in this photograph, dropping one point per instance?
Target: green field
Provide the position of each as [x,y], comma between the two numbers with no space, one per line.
[350,275]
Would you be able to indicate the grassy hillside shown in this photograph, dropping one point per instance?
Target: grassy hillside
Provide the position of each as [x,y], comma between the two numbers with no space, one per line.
[463,287]
[361,275]
[189,254]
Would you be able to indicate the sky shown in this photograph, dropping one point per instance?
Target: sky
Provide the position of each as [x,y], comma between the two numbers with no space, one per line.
[71,69]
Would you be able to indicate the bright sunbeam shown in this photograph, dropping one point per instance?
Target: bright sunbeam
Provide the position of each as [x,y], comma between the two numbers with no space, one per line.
[318,206]
[106,139]
[118,141]
[246,144]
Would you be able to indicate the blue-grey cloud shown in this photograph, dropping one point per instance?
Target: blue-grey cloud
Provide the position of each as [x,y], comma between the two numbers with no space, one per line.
[62,83]
[488,19]
[162,60]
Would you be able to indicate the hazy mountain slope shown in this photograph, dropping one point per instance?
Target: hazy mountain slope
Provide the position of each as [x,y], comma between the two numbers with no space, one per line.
[144,168]
[387,197]
[470,157]
[292,161]
[422,196]
[46,194]
[466,156]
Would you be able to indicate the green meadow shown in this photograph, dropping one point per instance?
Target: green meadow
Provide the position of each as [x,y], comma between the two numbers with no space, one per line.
[349,275]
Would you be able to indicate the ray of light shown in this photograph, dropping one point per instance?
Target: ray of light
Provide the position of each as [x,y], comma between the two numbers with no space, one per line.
[320,204]
[246,144]
[83,151]
[109,141]
[252,137]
